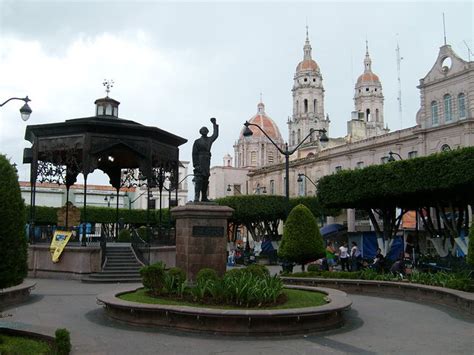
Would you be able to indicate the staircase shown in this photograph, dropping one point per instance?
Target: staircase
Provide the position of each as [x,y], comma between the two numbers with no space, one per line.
[121,266]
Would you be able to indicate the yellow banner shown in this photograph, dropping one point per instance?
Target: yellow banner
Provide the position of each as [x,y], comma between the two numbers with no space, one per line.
[60,239]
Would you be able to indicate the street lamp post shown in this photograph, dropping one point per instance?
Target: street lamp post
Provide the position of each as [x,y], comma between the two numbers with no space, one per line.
[391,158]
[300,179]
[25,110]
[323,139]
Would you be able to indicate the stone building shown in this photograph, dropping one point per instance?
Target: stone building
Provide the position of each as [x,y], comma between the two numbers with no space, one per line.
[444,121]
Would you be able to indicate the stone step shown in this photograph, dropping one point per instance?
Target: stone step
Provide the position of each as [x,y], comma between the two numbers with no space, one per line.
[114,276]
[112,280]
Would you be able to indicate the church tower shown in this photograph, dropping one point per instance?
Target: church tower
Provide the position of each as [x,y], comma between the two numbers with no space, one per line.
[308,99]
[368,101]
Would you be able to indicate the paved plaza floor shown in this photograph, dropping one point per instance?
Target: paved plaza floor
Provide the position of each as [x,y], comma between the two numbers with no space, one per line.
[374,326]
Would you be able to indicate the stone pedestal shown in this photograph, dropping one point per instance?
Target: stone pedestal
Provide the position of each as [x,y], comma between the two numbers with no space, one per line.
[201,237]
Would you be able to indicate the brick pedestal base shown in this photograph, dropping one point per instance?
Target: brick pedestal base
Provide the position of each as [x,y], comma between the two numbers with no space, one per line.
[201,237]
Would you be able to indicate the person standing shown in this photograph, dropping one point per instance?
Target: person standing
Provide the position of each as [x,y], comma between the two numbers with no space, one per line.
[344,257]
[355,256]
[330,255]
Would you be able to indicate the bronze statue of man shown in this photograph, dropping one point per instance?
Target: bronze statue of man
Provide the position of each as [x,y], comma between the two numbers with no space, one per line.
[202,161]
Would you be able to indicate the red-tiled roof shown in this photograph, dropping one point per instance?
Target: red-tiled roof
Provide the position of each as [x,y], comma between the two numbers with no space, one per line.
[307,64]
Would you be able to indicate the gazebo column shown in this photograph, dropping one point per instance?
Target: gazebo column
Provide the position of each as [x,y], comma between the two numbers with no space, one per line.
[33,177]
[84,219]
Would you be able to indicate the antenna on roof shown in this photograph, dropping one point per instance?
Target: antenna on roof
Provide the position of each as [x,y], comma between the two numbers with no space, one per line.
[108,84]
[399,98]
[444,30]
[469,52]
[261,97]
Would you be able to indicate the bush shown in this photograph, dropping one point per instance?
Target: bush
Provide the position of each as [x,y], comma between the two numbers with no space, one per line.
[13,243]
[142,233]
[301,242]
[124,236]
[62,341]
[313,268]
[257,270]
[470,250]
[153,277]
[177,273]
[207,274]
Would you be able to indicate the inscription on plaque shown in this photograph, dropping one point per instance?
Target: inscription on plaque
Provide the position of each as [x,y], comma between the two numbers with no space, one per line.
[208,231]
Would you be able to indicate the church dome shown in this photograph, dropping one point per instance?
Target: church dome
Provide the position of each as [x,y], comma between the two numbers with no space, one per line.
[266,123]
[307,64]
[368,77]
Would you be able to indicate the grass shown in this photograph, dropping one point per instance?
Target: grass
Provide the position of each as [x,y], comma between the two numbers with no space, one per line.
[296,299]
[19,345]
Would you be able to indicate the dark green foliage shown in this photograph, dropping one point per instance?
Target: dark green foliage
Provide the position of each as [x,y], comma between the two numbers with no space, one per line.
[13,244]
[142,233]
[442,178]
[313,267]
[252,208]
[178,274]
[470,250]
[257,270]
[48,215]
[315,206]
[302,241]
[124,236]
[62,341]
[153,277]
[456,280]
[207,274]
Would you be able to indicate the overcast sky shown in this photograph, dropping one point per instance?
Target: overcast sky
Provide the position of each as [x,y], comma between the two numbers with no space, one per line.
[175,65]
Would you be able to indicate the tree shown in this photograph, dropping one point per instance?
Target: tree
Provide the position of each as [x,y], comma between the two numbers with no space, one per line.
[13,245]
[302,241]
[440,187]
[470,250]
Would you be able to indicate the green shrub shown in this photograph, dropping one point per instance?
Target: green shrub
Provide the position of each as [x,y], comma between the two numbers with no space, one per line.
[124,236]
[257,270]
[301,241]
[313,267]
[62,341]
[470,250]
[153,277]
[142,233]
[207,274]
[177,273]
[13,243]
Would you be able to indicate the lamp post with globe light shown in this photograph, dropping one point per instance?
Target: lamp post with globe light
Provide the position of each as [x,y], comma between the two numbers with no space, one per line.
[25,110]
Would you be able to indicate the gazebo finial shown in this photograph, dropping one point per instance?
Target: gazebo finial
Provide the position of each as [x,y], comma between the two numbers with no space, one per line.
[108,84]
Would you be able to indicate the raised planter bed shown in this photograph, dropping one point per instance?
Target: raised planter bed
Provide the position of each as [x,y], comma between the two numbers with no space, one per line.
[460,300]
[231,322]
[15,294]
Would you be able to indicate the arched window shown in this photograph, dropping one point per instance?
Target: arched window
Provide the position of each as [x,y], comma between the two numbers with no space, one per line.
[461,105]
[299,136]
[253,158]
[315,102]
[293,138]
[305,106]
[377,114]
[297,106]
[448,108]
[434,113]
[367,114]
[270,158]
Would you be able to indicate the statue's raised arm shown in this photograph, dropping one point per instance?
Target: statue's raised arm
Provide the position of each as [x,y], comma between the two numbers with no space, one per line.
[215,129]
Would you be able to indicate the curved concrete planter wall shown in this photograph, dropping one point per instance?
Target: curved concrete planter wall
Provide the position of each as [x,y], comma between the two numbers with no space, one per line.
[463,301]
[231,322]
[16,294]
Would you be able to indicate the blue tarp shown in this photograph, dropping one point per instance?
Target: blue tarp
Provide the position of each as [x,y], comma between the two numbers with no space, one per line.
[370,245]
[331,229]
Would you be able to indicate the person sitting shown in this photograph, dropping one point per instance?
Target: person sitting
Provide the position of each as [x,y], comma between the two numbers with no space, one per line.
[378,260]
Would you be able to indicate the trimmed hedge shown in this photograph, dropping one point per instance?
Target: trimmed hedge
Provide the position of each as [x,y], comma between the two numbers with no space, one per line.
[48,215]
[470,249]
[13,245]
[302,241]
[439,178]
